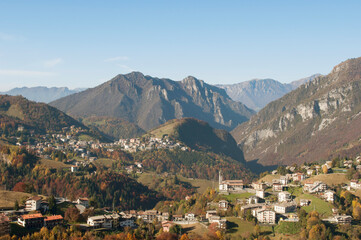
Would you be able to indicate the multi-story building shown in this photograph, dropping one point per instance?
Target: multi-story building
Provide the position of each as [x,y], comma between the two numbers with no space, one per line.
[259,186]
[33,203]
[31,220]
[4,225]
[266,216]
[277,187]
[284,196]
[52,221]
[285,207]
[230,185]
[104,221]
[260,194]
[298,177]
[329,196]
[314,187]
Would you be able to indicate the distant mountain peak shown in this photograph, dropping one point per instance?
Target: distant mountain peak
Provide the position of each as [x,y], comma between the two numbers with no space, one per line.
[257,93]
[42,93]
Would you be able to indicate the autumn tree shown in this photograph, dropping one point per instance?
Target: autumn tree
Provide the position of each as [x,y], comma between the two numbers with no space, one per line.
[72,214]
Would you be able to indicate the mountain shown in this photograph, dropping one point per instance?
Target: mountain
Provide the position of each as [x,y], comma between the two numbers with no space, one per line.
[38,116]
[199,135]
[149,102]
[42,94]
[257,93]
[297,83]
[114,127]
[319,120]
[18,111]
[211,150]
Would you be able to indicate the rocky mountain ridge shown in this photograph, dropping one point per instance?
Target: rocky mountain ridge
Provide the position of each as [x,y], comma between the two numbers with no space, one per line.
[308,124]
[149,102]
[257,93]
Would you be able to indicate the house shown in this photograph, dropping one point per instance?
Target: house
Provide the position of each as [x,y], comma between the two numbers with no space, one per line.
[266,216]
[230,185]
[277,187]
[253,200]
[223,204]
[259,186]
[340,219]
[211,213]
[285,207]
[314,187]
[74,168]
[104,221]
[310,172]
[127,223]
[83,201]
[260,194]
[221,223]
[298,177]
[178,218]
[31,220]
[284,196]
[355,184]
[149,215]
[284,180]
[52,221]
[329,196]
[166,225]
[33,203]
[190,217]
[4,225]
[304,202]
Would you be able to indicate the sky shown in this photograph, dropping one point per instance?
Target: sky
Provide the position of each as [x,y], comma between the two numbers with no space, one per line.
[85,43]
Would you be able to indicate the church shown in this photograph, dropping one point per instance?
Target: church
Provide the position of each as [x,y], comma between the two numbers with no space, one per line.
[229,186]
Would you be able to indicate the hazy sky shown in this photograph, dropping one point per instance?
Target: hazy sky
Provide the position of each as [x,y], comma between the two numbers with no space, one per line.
[84,43]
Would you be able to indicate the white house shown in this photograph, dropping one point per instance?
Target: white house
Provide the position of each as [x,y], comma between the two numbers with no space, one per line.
[190,217]
[33,203]
[355,184]
[260,193]
[104,221]
[284,196]
[266,216]
[285,207]
[230,185]
[314,187]
[329,196]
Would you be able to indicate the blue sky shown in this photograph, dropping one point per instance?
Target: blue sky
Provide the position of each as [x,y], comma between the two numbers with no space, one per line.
[85,43]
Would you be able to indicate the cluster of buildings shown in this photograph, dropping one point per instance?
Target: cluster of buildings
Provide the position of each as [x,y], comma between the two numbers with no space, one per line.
[150,143]
[37,220]
[276,204]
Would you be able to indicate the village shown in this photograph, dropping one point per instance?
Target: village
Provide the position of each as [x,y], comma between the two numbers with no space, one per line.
[269,202]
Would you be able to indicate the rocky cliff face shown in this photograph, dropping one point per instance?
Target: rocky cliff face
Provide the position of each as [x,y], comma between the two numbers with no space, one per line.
[149,102]
[318,120]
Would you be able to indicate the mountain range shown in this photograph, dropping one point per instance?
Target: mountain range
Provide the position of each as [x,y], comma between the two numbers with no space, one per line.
[319,120]
[257,93]
[150,102]
[42,94]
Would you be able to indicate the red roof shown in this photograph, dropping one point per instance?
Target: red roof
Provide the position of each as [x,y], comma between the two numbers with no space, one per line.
[54,217]
[4,218]
[30,216]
